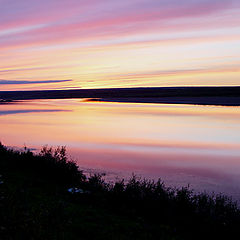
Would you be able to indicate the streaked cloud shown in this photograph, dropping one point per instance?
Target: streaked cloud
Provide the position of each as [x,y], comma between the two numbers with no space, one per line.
[79,39]
[174,72]
[14,82]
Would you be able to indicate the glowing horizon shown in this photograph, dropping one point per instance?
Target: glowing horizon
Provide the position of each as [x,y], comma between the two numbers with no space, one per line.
[65,44]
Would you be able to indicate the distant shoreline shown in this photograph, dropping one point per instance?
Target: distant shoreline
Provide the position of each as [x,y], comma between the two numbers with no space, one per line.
[223,96]
[216,101]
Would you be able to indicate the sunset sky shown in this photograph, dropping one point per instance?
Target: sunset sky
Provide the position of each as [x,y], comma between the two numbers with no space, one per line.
[65,44]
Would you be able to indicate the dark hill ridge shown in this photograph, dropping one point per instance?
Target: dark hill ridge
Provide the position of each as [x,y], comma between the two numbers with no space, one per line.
[188,95]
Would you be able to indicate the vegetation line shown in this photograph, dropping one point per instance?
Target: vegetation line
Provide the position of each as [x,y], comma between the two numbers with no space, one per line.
[46,196]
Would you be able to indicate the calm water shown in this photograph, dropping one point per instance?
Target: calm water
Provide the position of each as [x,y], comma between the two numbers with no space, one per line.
[182,144]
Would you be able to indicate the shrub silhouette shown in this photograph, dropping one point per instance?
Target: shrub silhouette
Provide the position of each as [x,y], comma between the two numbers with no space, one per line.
[50,164]
[34,196]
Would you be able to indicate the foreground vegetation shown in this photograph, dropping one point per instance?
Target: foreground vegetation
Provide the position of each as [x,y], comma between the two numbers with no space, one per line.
[45,196]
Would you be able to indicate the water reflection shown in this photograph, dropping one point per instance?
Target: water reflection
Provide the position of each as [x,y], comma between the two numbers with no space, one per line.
[182,144]
[7,112]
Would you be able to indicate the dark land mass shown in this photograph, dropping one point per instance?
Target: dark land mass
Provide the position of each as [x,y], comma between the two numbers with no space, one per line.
[220,101]
[227,96]
[45,196]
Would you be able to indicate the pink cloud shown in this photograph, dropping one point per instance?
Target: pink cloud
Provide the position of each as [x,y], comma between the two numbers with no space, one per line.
[62,27]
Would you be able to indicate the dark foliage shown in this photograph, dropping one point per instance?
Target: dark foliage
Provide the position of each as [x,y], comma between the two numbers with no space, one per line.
[35,203]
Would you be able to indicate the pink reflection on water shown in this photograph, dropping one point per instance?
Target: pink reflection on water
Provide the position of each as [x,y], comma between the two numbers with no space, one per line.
[182,144]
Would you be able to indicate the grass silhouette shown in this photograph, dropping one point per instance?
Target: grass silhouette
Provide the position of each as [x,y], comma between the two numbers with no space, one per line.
[46,196]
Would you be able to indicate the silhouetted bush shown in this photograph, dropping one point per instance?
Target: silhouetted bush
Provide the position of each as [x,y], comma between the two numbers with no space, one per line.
[51,164]
[35,204]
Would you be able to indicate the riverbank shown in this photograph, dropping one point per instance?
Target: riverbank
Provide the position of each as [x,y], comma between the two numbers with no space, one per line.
[224,96]
[216,101]
[46,196]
